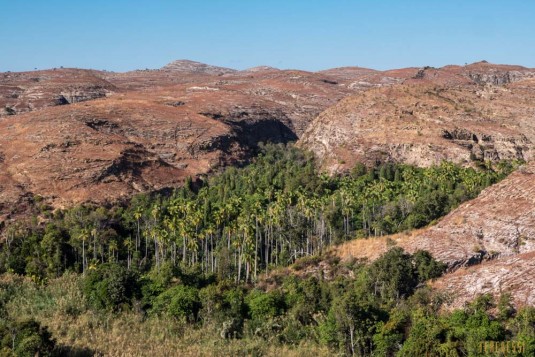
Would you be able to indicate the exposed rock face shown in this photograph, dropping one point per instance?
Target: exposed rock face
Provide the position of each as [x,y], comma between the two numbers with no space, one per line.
[486,226]
[28,91]
[425,124]
[486,73]
[512,274]
[75,95]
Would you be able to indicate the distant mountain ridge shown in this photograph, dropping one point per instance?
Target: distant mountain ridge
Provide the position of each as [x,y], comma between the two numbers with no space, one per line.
[196,67]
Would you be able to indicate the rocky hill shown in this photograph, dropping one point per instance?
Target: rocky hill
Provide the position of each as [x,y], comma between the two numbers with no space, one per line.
[195,67]
[496,228]
[465,114]
[22,92]
[511,274]
[423,124]
[147,130]
[189,118]
[71,136]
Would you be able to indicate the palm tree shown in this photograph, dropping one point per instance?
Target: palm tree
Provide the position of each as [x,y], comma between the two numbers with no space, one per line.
[129,245]
[112,247]
[138,212]
[83,236]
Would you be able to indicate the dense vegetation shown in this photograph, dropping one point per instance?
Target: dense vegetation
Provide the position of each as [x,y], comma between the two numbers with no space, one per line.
[379,309]
[244,221]
[208,258]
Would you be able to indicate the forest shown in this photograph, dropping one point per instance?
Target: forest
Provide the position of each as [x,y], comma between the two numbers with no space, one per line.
[204,269]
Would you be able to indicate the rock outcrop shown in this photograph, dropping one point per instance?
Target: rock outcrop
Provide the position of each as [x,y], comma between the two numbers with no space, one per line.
[28,91]
[506,275]
[423,124]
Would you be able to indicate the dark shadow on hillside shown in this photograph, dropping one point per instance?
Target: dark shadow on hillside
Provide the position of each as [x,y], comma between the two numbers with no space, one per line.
[251,133]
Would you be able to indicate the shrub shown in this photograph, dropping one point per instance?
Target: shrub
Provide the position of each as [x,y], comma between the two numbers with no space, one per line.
[180,302]
[426,266]
[25,338]
[264,305]
[111,286]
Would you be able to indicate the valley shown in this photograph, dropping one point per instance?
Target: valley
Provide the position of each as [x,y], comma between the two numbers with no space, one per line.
[207,198]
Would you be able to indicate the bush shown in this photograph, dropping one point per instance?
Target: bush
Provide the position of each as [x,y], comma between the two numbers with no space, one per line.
[25,338]
[426,266]
[392,276]
[111,286]
[264,305]
[305,262]
[179,302]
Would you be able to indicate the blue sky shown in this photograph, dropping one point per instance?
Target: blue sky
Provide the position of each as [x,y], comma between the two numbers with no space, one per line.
[122,35]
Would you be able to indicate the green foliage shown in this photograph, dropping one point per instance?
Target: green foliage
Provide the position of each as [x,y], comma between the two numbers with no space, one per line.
[426,267]
[111,286]
[426,338]
[244,221]
[193,257]
[351,324]
[24,338]
[350,314]
[264,305]
[393,275]
[180,302]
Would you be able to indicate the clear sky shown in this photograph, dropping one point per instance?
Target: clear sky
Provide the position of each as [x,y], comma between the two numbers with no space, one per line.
[122,35]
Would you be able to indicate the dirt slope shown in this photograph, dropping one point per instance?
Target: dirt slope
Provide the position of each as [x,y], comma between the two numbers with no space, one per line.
[513,275]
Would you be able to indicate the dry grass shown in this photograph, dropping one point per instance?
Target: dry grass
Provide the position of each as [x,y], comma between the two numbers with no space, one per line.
[127,335]
[373,247]
[61,307]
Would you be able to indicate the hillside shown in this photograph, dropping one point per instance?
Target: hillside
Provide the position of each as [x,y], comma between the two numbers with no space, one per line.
[510,274]
[73,136]
[22,92]
[147,131]
[496,228]
[481,228]
[423,124]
